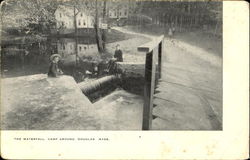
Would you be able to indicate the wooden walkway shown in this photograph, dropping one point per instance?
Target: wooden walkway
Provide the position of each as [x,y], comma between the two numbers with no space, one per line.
[180,95]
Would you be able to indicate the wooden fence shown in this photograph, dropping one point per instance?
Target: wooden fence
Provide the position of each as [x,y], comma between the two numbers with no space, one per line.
[150,49]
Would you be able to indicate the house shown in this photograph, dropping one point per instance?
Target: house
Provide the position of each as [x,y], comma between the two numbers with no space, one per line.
[65,20]
[64,16]
[84,21]
[118,11]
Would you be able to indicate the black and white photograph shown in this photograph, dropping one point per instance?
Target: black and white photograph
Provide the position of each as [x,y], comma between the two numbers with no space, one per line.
[124,65]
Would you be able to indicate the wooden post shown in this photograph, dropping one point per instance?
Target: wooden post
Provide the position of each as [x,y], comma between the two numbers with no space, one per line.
[160,59]
[150,70]
[149,87]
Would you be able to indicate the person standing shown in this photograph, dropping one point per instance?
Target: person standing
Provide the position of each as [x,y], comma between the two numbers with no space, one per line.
[118,57]
[118,54]
[170,32]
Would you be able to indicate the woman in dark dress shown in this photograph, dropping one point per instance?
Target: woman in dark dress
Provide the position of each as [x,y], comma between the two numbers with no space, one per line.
[54,70]
[118,54]
[117,58]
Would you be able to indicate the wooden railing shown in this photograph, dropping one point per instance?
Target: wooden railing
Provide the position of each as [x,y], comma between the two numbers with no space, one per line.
[150,76]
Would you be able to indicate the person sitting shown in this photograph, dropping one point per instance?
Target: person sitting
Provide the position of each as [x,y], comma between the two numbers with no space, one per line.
[54,70]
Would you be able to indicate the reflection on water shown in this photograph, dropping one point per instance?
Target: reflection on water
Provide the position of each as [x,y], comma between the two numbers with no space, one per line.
[80,58]
[71,49]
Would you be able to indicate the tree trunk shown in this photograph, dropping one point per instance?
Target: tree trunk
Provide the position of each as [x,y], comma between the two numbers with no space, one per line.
[97,29]
[76,47]
[106,21]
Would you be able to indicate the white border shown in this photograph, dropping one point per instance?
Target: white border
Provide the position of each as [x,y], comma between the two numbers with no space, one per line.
[231,143]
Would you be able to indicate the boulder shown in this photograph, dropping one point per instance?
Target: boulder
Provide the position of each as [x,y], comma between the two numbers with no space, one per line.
[41,103]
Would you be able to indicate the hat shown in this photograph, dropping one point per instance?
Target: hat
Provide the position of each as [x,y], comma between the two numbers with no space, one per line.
[53,56]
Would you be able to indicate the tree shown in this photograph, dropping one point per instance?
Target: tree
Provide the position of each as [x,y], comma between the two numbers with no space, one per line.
[183,14]
[37,16]
[91,8]
[99,40]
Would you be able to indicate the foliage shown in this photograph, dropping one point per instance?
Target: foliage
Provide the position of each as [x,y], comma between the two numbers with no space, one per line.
[34,16]
[187,13]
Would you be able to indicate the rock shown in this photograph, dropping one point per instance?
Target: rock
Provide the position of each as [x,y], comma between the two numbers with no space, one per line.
[38,102]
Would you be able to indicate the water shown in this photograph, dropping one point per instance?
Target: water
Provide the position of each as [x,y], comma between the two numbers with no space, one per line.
[80,58]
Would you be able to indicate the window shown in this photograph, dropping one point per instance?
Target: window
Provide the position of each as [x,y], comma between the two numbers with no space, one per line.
[110,14]
[84,23]
[85,48]
[71,47]
[63,47]
[120,13]
[79,22]
[81,14]
[80,48]
[125,13]
[60,15]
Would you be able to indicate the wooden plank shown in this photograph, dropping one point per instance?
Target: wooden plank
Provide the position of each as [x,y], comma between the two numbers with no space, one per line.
[150,46]
[148,90]
[160,59]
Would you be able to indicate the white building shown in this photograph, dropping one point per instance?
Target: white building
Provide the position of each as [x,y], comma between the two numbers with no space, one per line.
[64,16]
[118,9]
[84,21]
[118,12]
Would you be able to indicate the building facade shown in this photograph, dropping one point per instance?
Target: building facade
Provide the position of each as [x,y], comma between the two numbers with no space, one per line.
[65,20]
[118,9]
